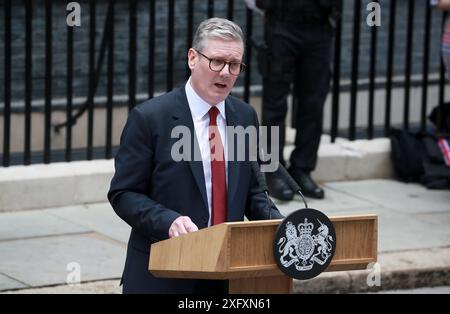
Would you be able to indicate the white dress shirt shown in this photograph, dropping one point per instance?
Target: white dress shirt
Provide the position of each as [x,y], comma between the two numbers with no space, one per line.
[200,116]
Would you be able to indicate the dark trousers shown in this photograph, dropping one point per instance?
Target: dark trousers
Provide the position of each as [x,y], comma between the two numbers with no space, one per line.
[298,54]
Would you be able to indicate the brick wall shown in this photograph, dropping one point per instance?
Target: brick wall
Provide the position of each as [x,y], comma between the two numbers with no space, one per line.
[81,45]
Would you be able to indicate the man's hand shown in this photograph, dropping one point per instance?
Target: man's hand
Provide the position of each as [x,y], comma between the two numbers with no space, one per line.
[181,225]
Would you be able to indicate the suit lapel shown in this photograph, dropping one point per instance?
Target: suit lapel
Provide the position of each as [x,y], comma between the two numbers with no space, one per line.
[182,116]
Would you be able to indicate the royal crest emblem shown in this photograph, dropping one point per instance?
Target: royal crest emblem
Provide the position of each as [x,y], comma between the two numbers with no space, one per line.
[306,240]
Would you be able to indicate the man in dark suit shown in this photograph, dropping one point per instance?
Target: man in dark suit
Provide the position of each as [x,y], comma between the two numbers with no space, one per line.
[160,197]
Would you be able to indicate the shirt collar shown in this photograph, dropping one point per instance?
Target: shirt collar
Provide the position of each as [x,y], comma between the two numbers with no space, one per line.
[199,108]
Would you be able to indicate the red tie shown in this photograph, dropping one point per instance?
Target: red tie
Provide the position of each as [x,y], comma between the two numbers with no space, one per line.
[218,179]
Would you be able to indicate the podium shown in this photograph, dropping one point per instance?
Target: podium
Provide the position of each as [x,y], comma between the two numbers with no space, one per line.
[242,252]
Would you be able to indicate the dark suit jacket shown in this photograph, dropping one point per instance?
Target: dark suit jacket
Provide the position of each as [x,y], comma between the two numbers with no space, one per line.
[150,190]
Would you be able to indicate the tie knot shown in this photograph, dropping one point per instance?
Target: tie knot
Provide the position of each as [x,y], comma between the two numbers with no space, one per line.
[213,112]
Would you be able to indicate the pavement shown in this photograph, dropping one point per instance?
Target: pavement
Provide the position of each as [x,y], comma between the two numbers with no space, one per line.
[81,249]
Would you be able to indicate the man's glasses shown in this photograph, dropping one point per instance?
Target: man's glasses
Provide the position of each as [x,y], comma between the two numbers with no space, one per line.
[217,65]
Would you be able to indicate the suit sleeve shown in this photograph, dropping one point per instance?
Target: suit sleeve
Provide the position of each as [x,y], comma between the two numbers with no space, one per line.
[258,206]
[130,185]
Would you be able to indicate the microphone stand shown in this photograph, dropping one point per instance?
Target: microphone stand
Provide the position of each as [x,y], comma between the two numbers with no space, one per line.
[263,185]
[291,182]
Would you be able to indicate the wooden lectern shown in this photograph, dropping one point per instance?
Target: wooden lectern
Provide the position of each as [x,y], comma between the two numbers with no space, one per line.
[242,252]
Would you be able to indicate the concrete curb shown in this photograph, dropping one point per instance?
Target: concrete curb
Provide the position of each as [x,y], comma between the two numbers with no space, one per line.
[354,160]
[54,185]
[347,282]
[95,287]
[80,182]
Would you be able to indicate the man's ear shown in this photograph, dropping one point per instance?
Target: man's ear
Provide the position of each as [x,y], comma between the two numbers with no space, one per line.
[192,58]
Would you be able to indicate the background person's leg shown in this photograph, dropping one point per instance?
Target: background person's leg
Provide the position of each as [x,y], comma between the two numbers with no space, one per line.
[312,86]
[276,87]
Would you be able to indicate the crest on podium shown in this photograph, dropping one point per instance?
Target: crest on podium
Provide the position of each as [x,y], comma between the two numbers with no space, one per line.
[304,244]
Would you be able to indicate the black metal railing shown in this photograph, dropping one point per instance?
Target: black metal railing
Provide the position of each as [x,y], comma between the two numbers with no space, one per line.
[172,13]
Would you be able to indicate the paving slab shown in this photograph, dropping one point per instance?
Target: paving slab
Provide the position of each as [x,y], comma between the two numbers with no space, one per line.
[16,225]
[419,229]
[99,217]
[45,261]
[335,202]
[405,197]
[397,232]
[437,219]
[7,283]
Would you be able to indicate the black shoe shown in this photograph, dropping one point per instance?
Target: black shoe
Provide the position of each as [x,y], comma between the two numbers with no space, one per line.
[307,184]
[278,188]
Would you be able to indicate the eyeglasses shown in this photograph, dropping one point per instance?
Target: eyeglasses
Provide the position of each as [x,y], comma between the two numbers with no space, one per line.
[217,65]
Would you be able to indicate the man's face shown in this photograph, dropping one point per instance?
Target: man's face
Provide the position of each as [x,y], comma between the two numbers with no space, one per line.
[214,87]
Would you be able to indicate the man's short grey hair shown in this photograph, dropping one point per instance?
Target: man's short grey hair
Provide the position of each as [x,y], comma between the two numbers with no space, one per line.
[216,28]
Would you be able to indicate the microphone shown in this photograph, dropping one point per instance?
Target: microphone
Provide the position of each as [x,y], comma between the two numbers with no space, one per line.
[262,183]
[291,182]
